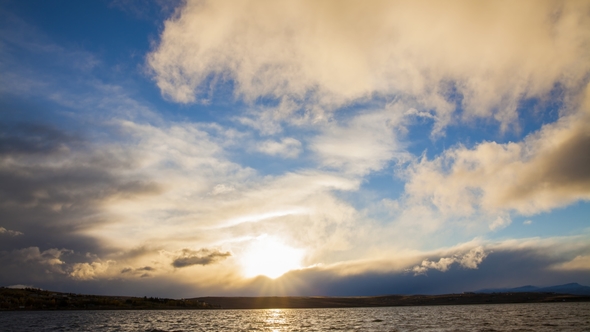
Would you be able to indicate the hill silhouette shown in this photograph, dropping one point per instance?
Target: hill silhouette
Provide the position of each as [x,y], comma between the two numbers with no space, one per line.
[571,288]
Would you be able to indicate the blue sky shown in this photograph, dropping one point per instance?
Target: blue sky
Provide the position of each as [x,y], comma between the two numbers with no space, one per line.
[180,148]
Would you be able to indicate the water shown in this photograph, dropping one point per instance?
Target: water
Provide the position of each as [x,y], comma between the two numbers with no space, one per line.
[493,317]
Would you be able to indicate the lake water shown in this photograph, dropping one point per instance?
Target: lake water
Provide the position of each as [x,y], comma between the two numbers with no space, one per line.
[493,317]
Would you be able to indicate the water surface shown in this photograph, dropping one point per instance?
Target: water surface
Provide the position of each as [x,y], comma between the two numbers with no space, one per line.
[491,317]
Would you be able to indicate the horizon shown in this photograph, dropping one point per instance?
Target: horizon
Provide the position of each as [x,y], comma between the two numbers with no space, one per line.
[478,291]
[294,148]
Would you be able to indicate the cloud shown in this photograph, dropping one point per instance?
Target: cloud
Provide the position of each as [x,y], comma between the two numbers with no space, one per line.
[139,269]
[362,144]
[221,189]
[129,188]
[469,260]
[326,54]
[527,222]
[287,147]
[580,262]
[188,257]
[111,196]
[34,138]
[18,262]
[89,271]
[54,184]
[9,232]
[548,169]
[50,257]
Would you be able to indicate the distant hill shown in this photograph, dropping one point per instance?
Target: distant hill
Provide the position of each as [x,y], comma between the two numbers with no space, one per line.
[571,288]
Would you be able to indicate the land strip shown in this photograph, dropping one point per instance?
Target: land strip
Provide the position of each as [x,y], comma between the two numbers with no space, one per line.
[36,299]
[386,301]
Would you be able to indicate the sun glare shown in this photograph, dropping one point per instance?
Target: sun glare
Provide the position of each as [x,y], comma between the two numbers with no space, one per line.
[270,257]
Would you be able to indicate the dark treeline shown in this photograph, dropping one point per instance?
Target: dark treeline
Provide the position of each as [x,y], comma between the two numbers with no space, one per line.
[37,299]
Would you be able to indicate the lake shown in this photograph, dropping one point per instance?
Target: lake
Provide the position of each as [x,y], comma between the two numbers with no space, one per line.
[491,317]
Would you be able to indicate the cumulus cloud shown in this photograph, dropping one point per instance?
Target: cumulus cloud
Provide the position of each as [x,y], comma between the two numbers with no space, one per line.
[188,257]
[287,147]
[491,53]
[548,169]
[49,257]
[89,271]
[469,260]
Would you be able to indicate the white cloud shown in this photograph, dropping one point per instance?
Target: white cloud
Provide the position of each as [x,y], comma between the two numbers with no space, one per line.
[287,147]
[548,169]
[331,52]
[362,144]
[500,222]
[527,222]
[221,189]
[89,271]
[469,260]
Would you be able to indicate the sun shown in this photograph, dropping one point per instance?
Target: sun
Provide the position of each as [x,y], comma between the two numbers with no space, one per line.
[269,256]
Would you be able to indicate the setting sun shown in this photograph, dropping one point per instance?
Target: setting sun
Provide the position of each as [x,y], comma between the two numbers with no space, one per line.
[270,257]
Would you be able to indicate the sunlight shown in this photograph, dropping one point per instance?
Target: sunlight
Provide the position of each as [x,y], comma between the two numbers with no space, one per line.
[269,256]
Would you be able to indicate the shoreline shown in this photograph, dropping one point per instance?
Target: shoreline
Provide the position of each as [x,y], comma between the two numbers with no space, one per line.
[312,302]
[41,300]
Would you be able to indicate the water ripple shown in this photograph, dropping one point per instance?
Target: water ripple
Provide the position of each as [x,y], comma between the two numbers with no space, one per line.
[501,317]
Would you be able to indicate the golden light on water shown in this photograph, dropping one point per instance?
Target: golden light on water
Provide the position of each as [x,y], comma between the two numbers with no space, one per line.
[269,256]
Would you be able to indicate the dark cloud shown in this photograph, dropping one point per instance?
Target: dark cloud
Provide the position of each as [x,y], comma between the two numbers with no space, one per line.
[499,269]
[137,270]
[34,138]
[189,257]
[563,169]
[571,161]
[53,183]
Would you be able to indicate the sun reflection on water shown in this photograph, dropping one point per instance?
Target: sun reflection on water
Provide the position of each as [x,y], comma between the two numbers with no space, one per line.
[275,319]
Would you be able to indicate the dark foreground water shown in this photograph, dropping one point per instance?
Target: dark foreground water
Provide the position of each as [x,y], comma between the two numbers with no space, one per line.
[494,317]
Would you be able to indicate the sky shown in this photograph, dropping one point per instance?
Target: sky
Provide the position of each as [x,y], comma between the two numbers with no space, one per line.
[337,148]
